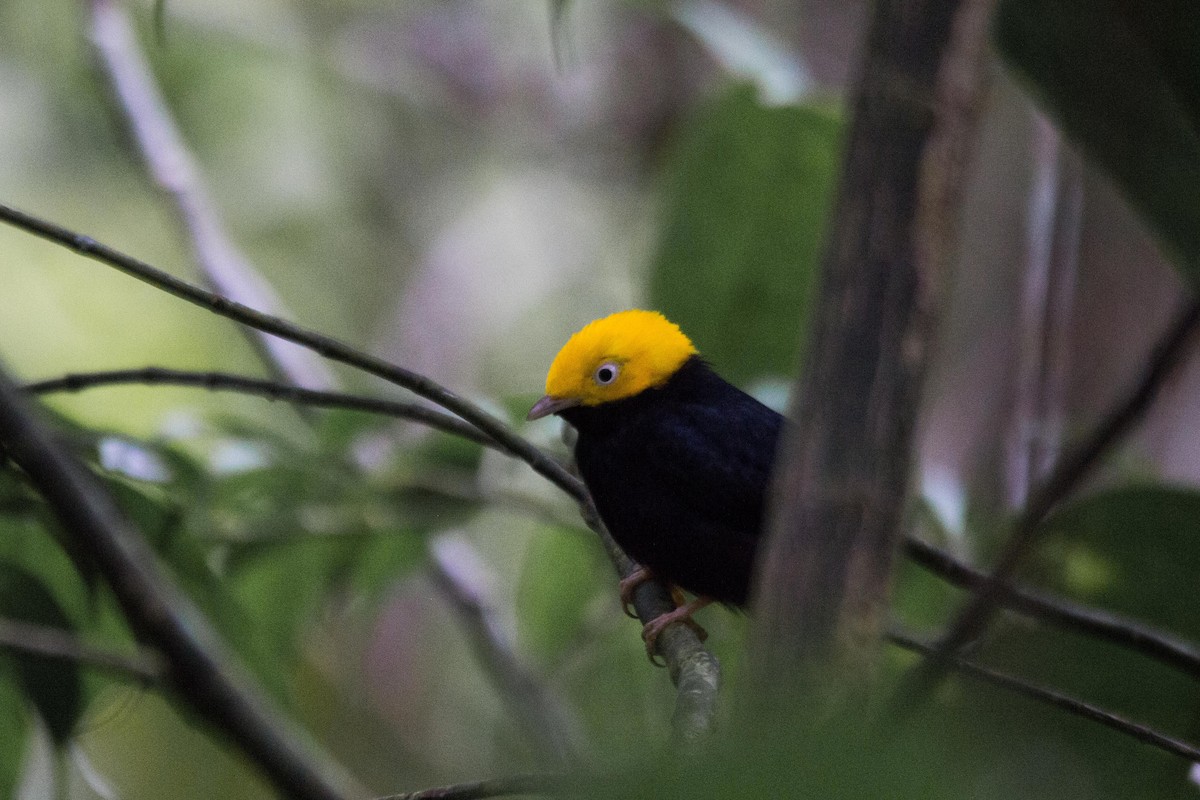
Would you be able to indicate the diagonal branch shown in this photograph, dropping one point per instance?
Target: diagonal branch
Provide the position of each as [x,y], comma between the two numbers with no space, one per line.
[461,577]
[1076,463]
[1115,628]
[1143,733]
[175,170]
[17,636]
[199,665]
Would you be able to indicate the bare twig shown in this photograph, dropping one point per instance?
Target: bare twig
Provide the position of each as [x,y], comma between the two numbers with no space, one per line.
[272,390]
[143,666]
[175,170]
[1115,628]
[1076,463]
[462,578]
[495,787]
[1143,733]
[690,664]
[199,665]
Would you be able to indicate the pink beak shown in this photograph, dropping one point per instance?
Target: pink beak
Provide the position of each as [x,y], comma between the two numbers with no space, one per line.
[550,405]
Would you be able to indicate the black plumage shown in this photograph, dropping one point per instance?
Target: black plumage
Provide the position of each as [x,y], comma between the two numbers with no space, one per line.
[679,474]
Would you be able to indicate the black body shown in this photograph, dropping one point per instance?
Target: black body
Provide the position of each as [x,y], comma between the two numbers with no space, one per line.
[679,474]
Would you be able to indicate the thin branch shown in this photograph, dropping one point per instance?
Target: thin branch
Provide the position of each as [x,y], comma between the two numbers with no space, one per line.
[200,666]
[272,390]
[1076,463]
[460,575]
[17,636]
[327,346]
[691,666]
[176,171]
[1115,628]
[543,784]
[1143,733]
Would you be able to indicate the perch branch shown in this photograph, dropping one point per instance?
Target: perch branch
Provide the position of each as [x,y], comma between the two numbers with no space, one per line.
[693,669]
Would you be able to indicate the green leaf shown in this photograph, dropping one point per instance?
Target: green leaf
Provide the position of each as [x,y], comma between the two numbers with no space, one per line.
[746,198]
[558,579]
[14,732]
[53,685]
[1131,550]
[1123,80]
[30,545]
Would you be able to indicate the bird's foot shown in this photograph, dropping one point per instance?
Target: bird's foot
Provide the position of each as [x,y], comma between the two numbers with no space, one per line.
[656,626]
[629,585]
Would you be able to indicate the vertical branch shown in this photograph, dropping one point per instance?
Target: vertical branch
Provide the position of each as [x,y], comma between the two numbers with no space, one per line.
[1052,237]
[842,484]
[174,169]
[551,728]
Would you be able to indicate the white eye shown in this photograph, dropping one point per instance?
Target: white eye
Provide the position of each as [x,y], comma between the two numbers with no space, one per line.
[606,373]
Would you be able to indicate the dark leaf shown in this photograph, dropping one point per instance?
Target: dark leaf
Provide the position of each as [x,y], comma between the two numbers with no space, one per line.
[1123,80]
[54,686]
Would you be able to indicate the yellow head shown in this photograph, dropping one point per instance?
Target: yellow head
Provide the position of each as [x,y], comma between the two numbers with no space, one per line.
[614,358]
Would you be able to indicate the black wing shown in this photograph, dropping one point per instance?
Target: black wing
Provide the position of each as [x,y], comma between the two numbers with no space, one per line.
[717,458]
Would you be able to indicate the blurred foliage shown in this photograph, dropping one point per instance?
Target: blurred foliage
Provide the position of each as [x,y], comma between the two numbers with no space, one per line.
[747,192]
[390,167]
[1127,550]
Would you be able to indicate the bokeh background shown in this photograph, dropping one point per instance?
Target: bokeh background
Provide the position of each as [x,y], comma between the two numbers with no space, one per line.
[457,186]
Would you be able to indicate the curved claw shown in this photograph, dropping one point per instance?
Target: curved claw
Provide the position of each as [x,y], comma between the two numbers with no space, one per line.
[656,626]
[629,585]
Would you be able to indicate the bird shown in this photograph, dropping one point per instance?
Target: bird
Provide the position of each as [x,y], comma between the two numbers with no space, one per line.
[677,459]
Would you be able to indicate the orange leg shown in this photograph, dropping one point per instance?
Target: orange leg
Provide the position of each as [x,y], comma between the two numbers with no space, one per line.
[627,586]
[656,626]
